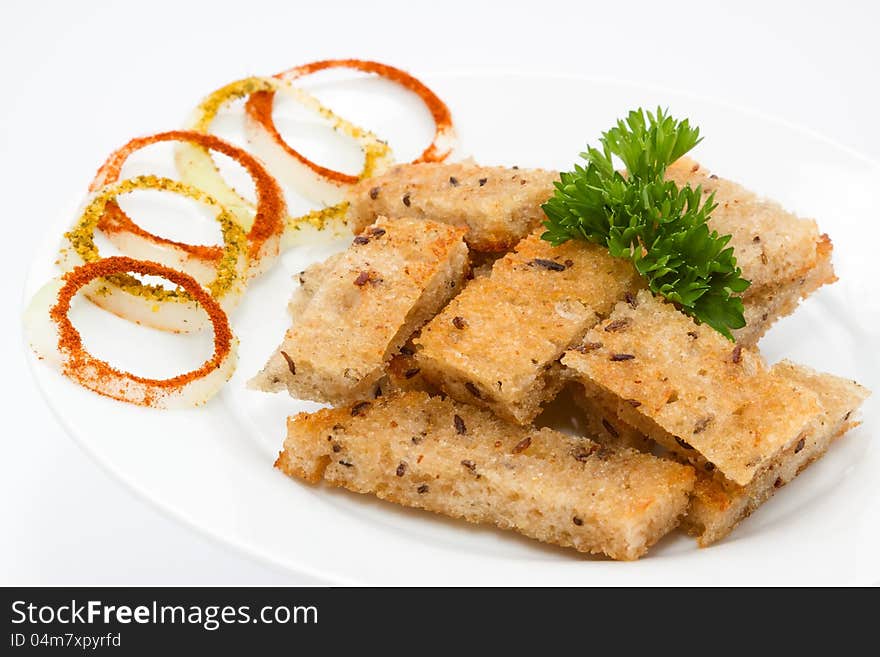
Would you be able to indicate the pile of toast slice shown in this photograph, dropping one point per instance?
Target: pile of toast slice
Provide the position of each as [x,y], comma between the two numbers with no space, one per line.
[448,325]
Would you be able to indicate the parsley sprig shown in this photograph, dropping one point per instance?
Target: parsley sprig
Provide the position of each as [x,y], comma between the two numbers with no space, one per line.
[641,216]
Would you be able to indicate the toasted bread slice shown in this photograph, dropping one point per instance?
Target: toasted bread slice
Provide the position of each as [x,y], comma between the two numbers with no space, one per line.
[718,506]
[762,309]
[497,343]
[784,256]
[310,280]
[457,460]
[773,247]
[497,205]
[687,387]
[600,419]
[404,373]
[369,301]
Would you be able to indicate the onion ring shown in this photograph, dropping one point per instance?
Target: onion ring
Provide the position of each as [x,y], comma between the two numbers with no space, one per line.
[260,122]
[265,222]
[47,317]
[331,219]
[147,304]
[197,167]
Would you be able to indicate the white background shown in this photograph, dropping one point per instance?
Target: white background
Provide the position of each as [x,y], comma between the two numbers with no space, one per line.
[81,78]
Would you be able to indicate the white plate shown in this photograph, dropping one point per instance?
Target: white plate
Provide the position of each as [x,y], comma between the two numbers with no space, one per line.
[212,467]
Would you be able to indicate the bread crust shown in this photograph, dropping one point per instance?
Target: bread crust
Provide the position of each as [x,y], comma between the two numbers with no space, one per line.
[691,390]
[783,255]
[354,312]
[497,344]
[451,458]
[498,206]
[773,247]
[718,506]
[600,420]
[764,308]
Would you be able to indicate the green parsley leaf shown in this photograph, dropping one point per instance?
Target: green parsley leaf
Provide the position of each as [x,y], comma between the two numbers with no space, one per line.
[641,216]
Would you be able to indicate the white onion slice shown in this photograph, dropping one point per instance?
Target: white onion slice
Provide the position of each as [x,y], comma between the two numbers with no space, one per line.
[265,222]
[153,305]
[55,340]
[259,106]
[313,181]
